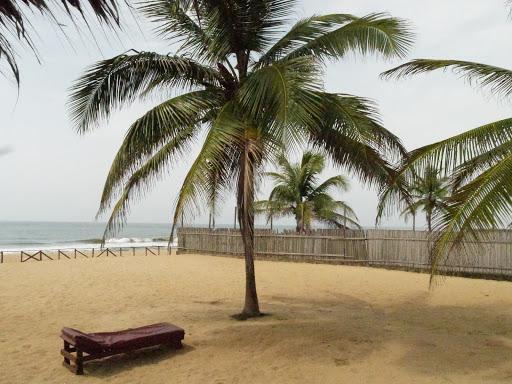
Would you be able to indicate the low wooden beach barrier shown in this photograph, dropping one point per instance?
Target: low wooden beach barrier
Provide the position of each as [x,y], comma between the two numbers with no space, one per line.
[75,253]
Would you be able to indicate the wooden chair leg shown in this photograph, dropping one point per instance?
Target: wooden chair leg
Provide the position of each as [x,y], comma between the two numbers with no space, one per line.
[79,362]
[177,344]
[67,349]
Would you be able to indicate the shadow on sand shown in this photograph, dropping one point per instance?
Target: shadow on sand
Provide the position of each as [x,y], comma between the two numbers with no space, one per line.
[342,330]
[123,363]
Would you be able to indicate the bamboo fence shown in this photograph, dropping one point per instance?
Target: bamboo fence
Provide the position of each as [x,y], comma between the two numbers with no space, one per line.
[380,248]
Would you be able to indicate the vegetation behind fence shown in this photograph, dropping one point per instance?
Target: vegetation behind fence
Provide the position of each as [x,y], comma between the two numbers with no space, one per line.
[386,248]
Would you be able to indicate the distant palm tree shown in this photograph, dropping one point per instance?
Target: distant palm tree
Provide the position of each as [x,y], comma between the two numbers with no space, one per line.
[410,211]
[251,91]
[480,159]
[429,193]
[298,193]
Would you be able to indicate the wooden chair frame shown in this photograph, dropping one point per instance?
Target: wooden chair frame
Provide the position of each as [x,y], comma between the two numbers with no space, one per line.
[74,358]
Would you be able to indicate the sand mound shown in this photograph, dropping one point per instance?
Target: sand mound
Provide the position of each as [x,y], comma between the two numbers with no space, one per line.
[329,324]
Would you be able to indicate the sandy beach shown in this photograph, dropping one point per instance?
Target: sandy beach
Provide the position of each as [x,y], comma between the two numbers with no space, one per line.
[328,324]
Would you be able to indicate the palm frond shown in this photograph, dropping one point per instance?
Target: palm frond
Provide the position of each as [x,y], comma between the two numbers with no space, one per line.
[450,153]
[8,55]
[160,125]
[469,169]
[141,180]
[334,213]
[356,157]
[374,33]
[357,118]
[262,21]
[174,22]
[482,204]
[113,83]
[339,182]
[394,196]
[276,94]
[15,26]
[498,80]
[349,134]
[220,152]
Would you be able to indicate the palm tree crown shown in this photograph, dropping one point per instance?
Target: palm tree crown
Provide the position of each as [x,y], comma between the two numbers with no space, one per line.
[297,192]
[251,90]
[429,193]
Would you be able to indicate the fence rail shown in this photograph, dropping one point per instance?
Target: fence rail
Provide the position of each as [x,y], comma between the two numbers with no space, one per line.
[380,248]
[75,253]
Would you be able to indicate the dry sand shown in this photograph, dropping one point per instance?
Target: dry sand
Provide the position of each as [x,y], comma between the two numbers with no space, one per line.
[329,324]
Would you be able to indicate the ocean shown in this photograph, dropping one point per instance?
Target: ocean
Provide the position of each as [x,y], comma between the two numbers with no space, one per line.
[18,235]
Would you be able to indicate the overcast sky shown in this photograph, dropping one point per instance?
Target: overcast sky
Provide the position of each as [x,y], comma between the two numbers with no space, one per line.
[53,174]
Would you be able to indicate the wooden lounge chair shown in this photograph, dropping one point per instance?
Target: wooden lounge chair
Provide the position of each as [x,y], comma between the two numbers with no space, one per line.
[80,347]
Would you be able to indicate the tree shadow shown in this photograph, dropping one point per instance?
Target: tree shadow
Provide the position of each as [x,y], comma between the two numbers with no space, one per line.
[111,366]
[343,330]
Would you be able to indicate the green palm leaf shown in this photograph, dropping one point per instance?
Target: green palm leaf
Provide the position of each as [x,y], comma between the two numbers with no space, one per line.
[174,23]
[16,26]
[498,80]
[482,204]
[157,127]
[143,179]
[115,82]
[374,33]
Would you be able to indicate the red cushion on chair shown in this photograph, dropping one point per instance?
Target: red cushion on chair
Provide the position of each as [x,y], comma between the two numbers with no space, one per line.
[126,340]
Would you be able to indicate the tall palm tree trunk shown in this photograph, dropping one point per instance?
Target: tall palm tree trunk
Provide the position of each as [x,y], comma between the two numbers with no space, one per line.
[429,220]
[246,220]
[299,218]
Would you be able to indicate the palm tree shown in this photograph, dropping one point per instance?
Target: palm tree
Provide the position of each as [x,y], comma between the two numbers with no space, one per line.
[480,159]
[429,193]
[251,91]
[297,193]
